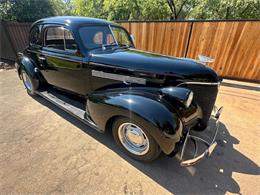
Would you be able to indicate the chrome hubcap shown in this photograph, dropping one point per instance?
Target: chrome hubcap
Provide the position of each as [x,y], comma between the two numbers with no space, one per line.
[27,81]
[133,138]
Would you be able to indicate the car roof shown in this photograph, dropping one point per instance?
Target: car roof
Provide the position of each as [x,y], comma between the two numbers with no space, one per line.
[73,21]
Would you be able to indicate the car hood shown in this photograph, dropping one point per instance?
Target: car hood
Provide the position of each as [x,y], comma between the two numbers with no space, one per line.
[140,61]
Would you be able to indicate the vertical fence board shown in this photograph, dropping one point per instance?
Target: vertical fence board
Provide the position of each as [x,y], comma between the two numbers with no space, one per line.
[167,38]
[19,34]
[235,47]
[7,51]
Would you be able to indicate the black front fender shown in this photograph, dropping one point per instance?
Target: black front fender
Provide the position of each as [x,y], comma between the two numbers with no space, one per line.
[147,109]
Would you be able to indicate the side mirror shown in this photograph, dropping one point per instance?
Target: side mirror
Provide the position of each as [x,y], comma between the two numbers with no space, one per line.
[76,51]
[132,37]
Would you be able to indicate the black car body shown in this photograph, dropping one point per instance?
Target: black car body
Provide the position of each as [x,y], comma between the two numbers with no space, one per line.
[96,60]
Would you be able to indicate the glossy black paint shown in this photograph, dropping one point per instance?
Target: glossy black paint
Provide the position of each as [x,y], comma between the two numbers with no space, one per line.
[139,106]
[176,93]
[154,65]
[161,112]
[26,64]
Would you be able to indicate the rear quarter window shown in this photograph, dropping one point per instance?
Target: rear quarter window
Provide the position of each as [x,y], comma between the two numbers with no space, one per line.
[70,43]
[35,36]
[54,38]
[60,38]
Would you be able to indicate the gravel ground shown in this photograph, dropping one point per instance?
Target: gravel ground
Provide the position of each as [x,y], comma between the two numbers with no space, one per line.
[44,150]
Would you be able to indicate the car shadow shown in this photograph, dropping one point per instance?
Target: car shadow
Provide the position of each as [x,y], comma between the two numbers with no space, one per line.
[213,175]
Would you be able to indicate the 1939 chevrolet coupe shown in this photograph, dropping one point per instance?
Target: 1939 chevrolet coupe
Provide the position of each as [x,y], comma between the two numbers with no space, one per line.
[91,69]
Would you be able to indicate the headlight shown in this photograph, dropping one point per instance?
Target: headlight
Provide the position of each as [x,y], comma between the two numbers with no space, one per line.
[183,95]
[189,100]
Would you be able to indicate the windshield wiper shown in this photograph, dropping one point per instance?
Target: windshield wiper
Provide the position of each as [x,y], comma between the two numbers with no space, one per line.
[104,46]
[123,45]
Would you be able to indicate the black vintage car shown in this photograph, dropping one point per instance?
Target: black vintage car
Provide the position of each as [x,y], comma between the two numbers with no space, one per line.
[91,69]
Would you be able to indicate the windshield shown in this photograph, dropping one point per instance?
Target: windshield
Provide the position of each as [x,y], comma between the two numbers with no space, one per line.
[97,36]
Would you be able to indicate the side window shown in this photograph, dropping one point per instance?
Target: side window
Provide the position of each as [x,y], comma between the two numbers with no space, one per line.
[35,36]
[70,43]
[121,36]
[54,37]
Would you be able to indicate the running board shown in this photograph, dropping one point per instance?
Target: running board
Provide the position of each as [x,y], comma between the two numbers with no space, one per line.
[68,105]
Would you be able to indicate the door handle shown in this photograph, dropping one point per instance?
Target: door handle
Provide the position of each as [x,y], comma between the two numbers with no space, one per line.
[42,58]
[42,61]
[126,82]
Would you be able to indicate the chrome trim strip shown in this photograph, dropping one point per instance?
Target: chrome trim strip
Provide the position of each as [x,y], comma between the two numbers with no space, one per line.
[118,77]
[128,69]
[197,83]
[119,68]
[74,111]
[107,66]
[112,34]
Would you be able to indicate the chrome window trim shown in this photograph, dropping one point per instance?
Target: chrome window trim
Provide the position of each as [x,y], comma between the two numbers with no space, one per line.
[198,83]
[113,34]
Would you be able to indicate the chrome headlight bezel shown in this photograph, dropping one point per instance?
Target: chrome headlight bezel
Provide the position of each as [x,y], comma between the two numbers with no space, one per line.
[189,99]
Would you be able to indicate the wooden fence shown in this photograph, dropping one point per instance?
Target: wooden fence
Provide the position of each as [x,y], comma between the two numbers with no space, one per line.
[13,39]
[235,45]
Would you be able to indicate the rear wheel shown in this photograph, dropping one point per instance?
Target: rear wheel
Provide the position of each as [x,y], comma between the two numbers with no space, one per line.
[135,140]
[30,83]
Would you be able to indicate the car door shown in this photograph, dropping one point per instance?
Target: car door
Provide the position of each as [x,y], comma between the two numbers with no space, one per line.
[62,64]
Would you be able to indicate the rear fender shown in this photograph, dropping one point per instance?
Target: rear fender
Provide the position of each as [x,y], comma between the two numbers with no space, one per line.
[27,65]
[149,110]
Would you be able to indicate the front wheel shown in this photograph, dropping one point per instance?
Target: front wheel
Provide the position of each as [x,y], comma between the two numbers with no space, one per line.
[135,140]
[30,84]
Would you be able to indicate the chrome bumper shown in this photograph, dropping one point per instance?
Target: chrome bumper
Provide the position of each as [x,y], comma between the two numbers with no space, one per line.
[211,145]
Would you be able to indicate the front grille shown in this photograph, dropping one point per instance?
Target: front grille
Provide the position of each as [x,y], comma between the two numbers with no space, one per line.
[205,96]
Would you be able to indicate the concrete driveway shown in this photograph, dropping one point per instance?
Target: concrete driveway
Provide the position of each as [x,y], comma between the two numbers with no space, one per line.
[45,150]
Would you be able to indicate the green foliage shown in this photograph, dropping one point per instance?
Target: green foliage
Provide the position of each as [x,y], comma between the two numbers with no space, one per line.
[168,9]
[155,10]
[122,10]
[226,9]
[31,10]
[180,8]
[89,8]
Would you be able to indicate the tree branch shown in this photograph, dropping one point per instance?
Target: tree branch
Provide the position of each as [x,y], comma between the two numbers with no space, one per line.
[227,13]
[137,8]
[172,6]
[181,8]
[169,3]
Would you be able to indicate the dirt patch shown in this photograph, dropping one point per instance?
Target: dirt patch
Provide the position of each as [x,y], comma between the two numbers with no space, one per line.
[45,150]
[6,66]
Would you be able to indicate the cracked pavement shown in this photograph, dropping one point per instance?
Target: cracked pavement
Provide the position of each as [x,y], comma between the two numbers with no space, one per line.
[45,150]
